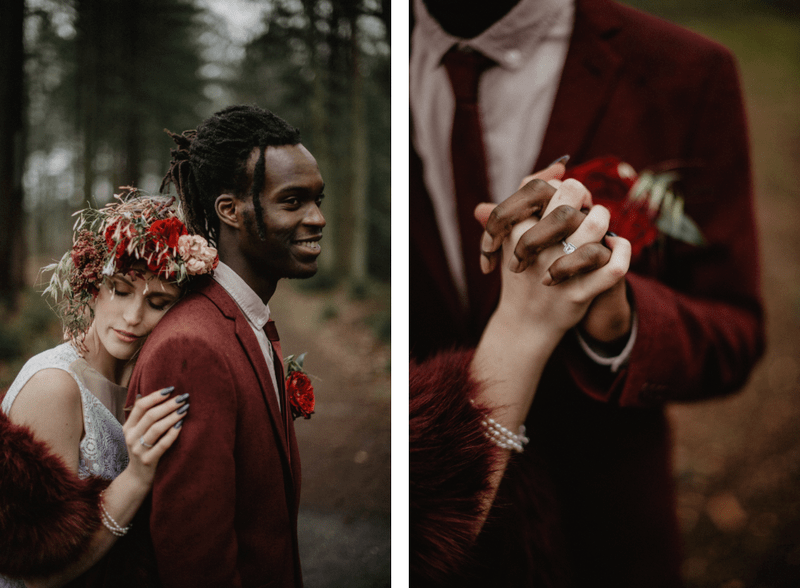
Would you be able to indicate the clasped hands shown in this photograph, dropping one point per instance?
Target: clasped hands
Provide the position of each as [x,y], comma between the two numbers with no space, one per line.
[541,282]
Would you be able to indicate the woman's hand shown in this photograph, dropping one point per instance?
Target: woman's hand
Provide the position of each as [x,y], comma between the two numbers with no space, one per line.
[152,427]
[154,420]
[547,289]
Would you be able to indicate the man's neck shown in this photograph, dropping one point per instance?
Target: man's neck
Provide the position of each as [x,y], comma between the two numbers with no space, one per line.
[469,19]
[264,287]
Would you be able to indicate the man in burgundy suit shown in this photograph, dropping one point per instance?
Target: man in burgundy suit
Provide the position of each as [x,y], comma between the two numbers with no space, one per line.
[224,503]
[587,78]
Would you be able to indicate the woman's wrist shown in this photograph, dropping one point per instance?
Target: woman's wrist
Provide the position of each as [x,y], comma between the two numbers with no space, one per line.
[508,362]
[130,487]
[517,333]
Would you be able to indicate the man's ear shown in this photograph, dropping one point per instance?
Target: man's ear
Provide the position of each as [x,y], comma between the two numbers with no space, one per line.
[228,210]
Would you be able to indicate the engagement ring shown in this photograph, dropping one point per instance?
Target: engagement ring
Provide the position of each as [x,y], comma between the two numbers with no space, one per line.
[568,247]
[141,442]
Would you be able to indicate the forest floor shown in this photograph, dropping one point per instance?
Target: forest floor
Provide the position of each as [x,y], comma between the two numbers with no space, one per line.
[345,447]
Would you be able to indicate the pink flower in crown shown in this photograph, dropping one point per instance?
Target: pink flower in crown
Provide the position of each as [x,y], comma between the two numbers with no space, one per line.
[197,255]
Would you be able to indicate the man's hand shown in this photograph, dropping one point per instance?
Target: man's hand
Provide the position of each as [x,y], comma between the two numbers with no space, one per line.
[561,212]
[529,200]
[609,317]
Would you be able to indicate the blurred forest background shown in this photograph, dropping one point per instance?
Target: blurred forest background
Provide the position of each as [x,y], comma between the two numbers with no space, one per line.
[737,460]
[87,88]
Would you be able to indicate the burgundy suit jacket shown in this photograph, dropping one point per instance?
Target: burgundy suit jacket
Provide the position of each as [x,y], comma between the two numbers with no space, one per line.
[225,499]
[649,92]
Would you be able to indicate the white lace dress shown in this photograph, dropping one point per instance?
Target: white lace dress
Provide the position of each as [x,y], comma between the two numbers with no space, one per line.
[102,449]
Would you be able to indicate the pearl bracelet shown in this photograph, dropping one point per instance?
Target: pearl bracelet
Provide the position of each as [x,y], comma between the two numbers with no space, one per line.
[109,522]
[504,438]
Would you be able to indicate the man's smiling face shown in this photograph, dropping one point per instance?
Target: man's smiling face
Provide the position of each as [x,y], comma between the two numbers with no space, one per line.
[291,199]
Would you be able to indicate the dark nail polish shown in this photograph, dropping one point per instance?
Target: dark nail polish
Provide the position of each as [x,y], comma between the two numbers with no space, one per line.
[179,424]
[563,159]
[611,234]
[138,396]
[183,409]
[182,398]
[167,391]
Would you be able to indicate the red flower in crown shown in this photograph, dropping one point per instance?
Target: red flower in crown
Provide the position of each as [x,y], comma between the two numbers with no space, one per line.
[87,258]
[641,205]
[164,236]
[299,388]
[168,231]
[116,229]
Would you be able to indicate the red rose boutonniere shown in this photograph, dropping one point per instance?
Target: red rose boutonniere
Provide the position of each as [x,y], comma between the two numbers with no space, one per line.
[299,388]
[642,205]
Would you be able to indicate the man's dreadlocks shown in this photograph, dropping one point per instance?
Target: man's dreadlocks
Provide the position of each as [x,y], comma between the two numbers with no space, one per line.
[213,160]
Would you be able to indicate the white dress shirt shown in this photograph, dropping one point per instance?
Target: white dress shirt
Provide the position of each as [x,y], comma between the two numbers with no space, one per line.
[515,101]
[254,310]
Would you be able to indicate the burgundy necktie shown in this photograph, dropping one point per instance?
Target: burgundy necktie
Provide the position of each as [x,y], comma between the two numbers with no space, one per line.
[275,342]
[277,358]
[464,68]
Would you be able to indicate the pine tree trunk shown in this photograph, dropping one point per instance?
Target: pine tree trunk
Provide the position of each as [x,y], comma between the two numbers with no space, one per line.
[87,95]
[359,162]
[320,132]
[12,150]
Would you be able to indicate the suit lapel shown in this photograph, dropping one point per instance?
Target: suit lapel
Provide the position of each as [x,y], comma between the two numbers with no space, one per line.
[590,74]
[251,348]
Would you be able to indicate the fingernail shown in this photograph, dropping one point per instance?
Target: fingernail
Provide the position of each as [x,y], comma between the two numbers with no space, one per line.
[182,398]
[487,243]
[167,391]
[548,279]
[514,264]
[179,424]
[563,159]
[183,409]
[611,234]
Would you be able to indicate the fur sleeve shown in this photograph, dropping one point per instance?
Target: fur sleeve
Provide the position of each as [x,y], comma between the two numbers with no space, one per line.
[47,514]
[449,467]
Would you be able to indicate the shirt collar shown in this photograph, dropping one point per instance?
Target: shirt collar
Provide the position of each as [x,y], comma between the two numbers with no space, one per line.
[254,309]
[509,42]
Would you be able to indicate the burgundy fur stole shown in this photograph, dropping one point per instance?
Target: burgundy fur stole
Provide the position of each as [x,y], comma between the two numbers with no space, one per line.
[521,543]
[449,466]
[47,514]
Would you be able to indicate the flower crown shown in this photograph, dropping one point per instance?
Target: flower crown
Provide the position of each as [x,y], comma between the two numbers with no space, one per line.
[133,234]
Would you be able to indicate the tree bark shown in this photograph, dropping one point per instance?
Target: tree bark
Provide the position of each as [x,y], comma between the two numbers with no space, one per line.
[88,104]
[12,149]
[359,213]
[320,133]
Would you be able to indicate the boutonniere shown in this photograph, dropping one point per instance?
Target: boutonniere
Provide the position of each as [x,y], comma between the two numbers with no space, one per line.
[643,206]
[299,388]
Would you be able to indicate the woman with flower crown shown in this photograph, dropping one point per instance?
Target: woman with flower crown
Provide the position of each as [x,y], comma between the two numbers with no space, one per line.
[73,474]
